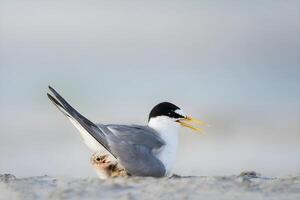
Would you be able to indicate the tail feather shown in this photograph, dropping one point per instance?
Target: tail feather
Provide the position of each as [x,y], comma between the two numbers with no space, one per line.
[84,125]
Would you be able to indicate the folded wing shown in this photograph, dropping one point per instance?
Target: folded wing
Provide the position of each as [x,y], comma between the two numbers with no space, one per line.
[135,147]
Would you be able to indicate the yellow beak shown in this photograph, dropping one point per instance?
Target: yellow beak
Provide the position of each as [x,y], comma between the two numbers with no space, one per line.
[184,123]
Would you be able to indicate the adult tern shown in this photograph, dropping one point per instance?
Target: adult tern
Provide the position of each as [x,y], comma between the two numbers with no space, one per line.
[142,150]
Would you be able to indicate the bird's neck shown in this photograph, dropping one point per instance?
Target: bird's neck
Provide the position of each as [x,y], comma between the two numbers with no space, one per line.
[164,126]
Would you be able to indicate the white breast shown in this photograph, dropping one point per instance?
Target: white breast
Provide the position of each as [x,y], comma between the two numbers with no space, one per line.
[168,130]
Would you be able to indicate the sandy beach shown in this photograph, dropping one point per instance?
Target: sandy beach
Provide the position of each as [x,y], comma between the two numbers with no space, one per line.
[246,186]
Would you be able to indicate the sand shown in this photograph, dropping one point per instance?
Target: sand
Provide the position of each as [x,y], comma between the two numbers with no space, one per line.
[245,186]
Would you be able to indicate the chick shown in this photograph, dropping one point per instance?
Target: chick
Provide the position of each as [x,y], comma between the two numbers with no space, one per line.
[105,167]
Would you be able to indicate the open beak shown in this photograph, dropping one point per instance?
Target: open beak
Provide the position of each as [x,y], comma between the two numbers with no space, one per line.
[187,120]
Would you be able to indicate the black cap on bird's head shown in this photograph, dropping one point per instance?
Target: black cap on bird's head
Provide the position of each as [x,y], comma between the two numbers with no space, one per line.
[166,109]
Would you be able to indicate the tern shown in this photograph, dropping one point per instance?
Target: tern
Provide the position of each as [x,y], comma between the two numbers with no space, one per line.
[148,150]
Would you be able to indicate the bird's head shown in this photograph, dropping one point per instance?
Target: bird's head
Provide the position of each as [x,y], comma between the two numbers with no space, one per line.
[168,115]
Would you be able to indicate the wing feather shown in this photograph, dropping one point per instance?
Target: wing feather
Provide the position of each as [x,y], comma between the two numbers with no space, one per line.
[133,145]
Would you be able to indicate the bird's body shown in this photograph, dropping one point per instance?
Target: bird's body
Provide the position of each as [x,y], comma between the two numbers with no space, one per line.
[141,150]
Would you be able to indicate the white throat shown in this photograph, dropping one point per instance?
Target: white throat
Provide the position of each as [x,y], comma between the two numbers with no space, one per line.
[168,129]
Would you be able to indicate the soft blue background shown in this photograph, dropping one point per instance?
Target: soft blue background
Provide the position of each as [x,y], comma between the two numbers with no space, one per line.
[234,64]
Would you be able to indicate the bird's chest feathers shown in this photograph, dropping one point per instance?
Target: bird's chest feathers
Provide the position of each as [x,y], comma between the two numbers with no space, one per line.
[168,153]
[168,131]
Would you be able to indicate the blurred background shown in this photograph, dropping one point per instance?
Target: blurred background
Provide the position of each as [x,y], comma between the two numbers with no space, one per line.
[233,64]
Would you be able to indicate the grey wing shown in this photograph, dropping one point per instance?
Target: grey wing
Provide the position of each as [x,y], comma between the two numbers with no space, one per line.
[133,146]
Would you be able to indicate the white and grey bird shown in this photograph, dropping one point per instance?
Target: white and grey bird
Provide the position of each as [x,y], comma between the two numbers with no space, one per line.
[142,150]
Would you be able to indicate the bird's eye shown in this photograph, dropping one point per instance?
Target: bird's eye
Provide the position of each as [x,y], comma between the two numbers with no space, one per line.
[98,159]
